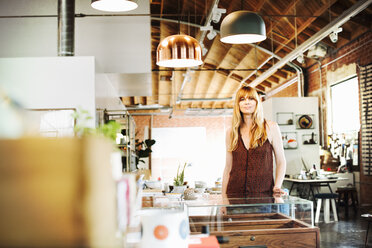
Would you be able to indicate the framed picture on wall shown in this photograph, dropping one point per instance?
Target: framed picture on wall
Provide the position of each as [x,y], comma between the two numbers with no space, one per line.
[305,121]
[289,140]
[309,139]
[284,118]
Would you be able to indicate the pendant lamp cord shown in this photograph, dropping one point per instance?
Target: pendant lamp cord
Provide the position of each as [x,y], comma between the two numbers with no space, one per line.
[241,4]
[255,54]
[179,14]
[272,41]
[295,22]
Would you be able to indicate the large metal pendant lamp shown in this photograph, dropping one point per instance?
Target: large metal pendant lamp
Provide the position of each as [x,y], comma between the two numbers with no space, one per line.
[242,27]
[114,5]
[179,51]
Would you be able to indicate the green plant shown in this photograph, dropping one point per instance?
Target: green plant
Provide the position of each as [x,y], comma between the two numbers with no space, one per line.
[143,149]
[108,130]
[179,179]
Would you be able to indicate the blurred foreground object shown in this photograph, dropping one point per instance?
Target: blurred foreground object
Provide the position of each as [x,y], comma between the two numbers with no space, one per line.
[57,192]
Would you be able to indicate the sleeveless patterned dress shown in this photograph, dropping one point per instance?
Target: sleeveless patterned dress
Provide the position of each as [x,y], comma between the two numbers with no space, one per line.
[251,174]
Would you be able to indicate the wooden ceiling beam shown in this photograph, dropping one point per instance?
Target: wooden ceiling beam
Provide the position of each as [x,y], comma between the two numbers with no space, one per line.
[266,84]
[261,88]
[273,79]
[281,74]
[306,23]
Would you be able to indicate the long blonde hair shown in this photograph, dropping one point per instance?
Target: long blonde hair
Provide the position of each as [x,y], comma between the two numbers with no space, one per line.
[258,130]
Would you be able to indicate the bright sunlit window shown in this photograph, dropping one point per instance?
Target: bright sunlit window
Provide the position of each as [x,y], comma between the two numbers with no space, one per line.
[345,106]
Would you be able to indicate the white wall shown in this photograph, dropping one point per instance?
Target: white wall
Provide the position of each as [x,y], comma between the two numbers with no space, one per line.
[120,44]
[54,82]
[299,106]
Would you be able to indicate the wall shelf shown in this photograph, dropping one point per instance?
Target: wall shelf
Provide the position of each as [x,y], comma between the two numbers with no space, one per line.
[284,118]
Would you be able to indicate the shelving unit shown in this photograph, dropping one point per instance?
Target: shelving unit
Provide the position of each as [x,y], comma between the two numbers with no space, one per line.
[127,143]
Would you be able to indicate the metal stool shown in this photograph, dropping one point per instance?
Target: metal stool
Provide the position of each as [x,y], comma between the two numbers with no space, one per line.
[367,217]
[329,197]
[345,193]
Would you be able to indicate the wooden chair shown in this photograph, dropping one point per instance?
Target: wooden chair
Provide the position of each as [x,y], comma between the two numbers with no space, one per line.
[344,194]
[327,197]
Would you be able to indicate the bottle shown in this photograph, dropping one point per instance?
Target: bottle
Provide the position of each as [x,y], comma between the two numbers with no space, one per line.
[313,172]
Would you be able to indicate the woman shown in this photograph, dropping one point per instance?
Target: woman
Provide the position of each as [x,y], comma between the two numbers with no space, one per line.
[251,143]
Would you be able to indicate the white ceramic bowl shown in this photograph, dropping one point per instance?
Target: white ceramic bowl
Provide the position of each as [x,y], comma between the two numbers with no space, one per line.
[153,184]
[200,184]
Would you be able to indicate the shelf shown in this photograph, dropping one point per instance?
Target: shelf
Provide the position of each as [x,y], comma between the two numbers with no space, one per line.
[284,118]
[289,140]
[310,139]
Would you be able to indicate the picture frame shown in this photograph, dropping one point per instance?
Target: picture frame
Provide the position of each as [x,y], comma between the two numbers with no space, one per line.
[310,139]
[284,118]
[305,121]
[289,140]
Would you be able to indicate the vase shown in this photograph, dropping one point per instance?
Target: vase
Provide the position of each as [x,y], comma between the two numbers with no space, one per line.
[179,189]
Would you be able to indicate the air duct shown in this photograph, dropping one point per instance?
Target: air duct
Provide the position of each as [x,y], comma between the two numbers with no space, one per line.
[66,27]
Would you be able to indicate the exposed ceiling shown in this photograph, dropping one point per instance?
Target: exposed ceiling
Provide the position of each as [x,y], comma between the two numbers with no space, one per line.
[291,27]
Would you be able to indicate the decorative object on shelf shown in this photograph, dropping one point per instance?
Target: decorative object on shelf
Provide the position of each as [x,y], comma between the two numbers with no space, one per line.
[179,179]
[284,118]
[305,121]
[190,194]
[309,139]
[242,27]
[289,140]
[114,5]
[143,149]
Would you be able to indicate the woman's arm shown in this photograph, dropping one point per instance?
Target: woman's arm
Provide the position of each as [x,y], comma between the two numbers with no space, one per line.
[280,162]
[228,165]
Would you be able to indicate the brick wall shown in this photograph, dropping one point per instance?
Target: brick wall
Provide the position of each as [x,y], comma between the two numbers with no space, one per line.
[356,52]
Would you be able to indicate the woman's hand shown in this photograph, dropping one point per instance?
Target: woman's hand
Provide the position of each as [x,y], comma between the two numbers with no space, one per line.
[277,194]
[278,191]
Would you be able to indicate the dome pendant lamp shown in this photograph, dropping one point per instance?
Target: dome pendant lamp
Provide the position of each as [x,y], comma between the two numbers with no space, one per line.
[241,27]
[179,51]
[114,5]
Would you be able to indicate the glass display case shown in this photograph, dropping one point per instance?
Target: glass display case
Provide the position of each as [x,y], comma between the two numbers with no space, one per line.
[249,222]
[256,222]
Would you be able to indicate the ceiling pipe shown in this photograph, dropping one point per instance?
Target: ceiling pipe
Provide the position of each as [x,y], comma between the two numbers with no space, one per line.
[66,27]
[323,33]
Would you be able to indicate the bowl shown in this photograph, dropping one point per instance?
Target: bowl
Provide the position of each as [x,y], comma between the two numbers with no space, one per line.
[200,184]
[153,184]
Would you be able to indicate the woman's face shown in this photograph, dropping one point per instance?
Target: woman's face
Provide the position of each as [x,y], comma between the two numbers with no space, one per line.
[247,105]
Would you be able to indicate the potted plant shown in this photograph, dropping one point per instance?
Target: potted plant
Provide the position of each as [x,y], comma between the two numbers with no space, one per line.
[178,181]
[143,150]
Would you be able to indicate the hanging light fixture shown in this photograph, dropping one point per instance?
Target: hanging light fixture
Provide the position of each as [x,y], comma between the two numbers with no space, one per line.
[179,51]
[114,5]
[242,27]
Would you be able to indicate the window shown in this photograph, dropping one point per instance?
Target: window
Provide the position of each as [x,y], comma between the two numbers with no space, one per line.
[345,122]
[345,106]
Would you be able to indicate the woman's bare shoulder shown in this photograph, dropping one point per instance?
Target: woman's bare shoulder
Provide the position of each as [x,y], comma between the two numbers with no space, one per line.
[271,124]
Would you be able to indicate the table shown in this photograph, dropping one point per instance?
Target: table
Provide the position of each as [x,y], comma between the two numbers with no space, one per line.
[313,183]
